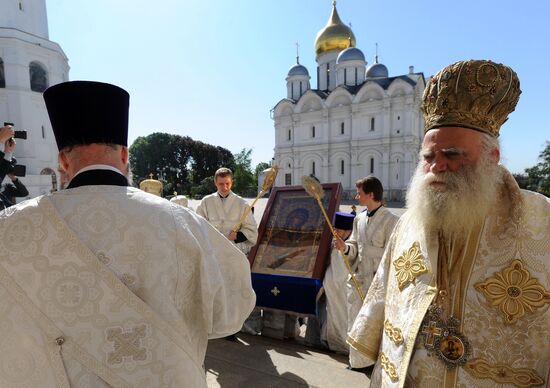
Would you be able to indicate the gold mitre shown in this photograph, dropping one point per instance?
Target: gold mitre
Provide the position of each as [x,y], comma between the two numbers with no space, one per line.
[151,186]
[475,94]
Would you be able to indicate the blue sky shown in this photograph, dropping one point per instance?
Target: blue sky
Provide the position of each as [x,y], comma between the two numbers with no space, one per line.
[213,69]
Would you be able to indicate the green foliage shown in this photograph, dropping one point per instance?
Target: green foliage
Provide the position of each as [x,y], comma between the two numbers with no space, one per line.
[205,187]
[259,168]
[243,179]
[538,177]
[179,162]
[188,166]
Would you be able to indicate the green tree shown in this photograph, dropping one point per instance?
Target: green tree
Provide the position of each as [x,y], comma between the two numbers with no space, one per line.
[179,162]
[259,168]
[206,159]
[538,177]
[243,177]
[163,155]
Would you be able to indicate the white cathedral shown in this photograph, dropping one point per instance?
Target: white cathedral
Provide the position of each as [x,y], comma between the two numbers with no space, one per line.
[29,63]
[359,121]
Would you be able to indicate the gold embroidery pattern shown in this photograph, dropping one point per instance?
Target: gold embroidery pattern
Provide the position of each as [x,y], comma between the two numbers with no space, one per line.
[409,266]
[514,291]
[126,344]
[388,367]
[503,374]
[393,332]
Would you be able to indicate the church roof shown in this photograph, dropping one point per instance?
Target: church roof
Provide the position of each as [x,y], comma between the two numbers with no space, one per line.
[335,35]
[298,69]
[354,89]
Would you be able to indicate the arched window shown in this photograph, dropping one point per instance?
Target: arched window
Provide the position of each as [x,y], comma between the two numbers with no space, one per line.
[372,123]
[38,76]
[372,165]
[288,179]
[313,131]
[289,135]
[49,171]
[312,168]
[2,78]
[341,128]
[342,167]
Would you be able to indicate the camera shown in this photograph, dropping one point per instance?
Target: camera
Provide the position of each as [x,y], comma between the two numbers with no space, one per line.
[17,134]
[17,169]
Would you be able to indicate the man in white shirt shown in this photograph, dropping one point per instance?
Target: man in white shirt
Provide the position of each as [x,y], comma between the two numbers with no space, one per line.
[224,210]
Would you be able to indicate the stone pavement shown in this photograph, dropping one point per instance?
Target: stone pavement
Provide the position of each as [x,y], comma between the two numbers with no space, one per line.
[256,361]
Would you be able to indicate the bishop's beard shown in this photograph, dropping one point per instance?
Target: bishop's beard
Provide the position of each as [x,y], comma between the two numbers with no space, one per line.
[461,202]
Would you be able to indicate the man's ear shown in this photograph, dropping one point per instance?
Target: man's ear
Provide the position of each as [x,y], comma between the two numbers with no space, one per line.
[124,155]
[495,155]
[62,160]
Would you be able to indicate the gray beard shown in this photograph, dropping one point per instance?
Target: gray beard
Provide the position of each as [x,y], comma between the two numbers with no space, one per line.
[464,203]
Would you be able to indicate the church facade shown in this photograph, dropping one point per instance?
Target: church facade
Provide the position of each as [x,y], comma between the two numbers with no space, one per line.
[359,121]
[29,63]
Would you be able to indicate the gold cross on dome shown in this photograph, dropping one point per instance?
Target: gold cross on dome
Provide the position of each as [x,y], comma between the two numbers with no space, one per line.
[275,291]
[431,332]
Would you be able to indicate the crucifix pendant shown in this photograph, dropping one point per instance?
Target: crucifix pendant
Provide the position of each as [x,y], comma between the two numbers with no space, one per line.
[444,339]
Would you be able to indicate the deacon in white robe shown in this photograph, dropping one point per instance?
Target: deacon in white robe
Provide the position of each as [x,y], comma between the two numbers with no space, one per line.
[371,232]
[224,209]
[334,330]
[103,285]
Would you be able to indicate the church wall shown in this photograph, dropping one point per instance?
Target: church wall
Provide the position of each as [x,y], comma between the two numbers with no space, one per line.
[27,15]
[25,41]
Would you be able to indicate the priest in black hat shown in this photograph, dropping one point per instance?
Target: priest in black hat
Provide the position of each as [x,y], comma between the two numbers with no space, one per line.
[146,281]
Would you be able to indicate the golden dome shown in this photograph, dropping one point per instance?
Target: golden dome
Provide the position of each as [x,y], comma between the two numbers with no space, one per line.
[151,186]
[335,35]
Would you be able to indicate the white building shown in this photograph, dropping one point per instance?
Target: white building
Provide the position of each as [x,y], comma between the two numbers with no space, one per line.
[359,121]
[29,63]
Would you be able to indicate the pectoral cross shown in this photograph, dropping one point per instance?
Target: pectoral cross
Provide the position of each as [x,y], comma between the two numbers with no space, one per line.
[275,291]
[151,176]
[431,331]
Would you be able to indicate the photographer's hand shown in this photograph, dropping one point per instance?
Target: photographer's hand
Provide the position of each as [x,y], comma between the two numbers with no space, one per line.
[6,133]
[9,146]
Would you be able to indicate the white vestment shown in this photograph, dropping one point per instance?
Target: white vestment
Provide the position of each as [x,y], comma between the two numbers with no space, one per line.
[498,290]
[225,214]
[335,329]
[109,286]
[366,247]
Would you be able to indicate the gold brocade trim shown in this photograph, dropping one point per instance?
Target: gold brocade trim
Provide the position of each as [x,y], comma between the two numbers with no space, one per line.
[369,352]
[409,266]
[388,367]
[514,291]
[503,374]
[393,332]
